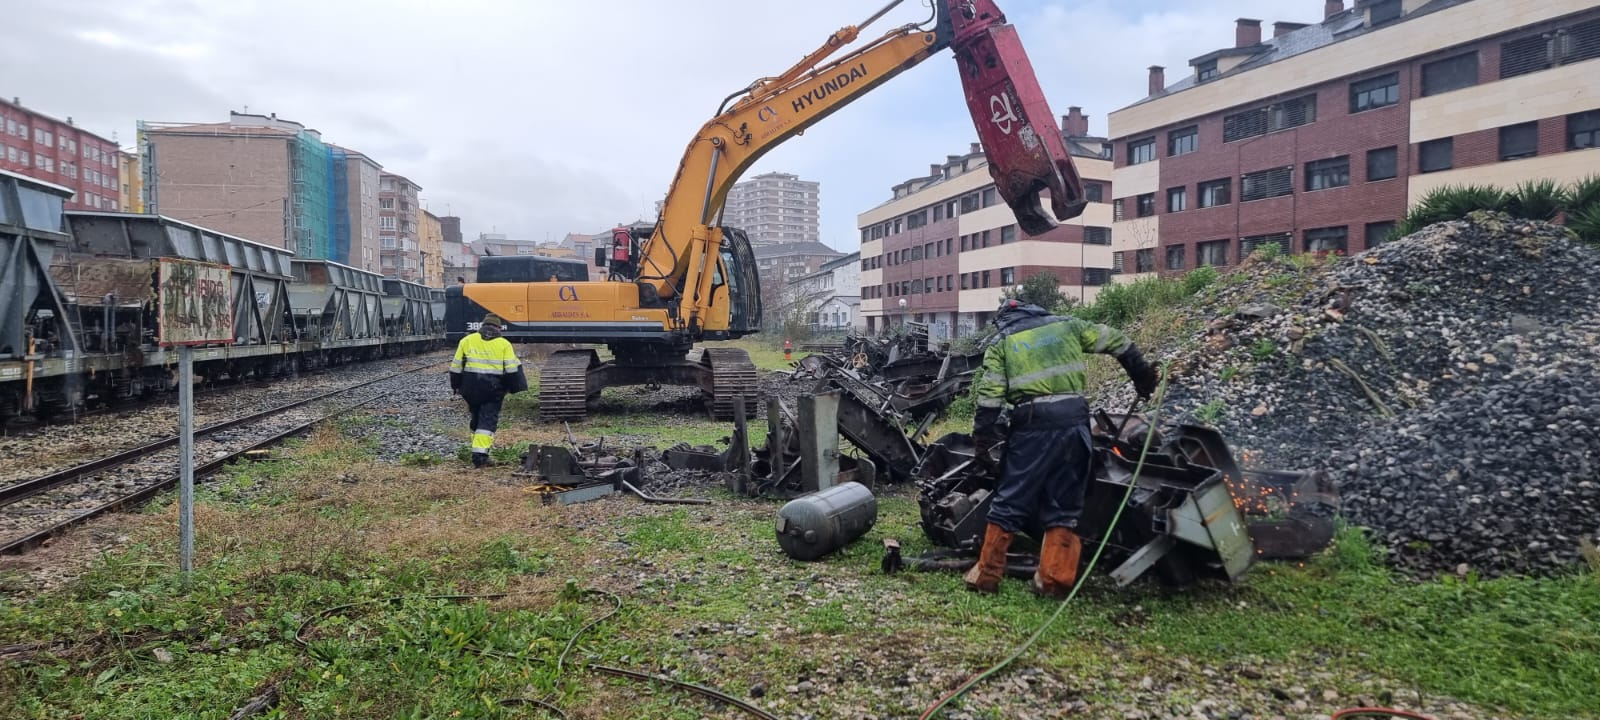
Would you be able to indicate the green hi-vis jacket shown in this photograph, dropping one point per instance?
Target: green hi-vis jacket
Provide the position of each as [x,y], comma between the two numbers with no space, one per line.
[1043,356]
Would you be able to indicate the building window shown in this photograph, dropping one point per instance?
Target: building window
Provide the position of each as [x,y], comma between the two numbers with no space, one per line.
[1214,252]
[1096,276]
[1437,155]
[1279,116]
[1116,262]
[1385,11]
[1266,184]
[938,213]
[1378,233]
[966,283]
[1583,130]
[899,225]
[1215,192]
[949,282]
[1377,92]
[1008,276]
[386,223]
[990,197]
[1174,257]
[1519,141]
[1525,55]
[1094,192]
[1183,141]
[1146,204]
[1450,74]
[1141,151]
[1096,235]
[1118,212]
[1249,244]
[969,204]
[1177,199]
[986,278]
[1327,240]
[948,244]
[1382,163]
[1206,70]
[916,220]
[1144,260]
[1008,234]
[1325,174]
[386,203]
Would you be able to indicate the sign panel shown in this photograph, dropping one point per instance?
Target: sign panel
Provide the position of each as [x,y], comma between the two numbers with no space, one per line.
[196,303]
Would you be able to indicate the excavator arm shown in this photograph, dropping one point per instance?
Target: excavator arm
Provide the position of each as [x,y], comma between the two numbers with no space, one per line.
[1026,152]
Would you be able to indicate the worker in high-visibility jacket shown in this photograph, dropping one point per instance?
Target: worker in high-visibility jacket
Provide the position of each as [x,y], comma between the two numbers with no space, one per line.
[484,370]
[1036,365]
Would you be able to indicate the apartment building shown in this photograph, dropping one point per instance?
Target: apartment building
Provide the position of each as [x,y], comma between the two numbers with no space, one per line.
[267,179]
[130,179]
[400,248]
[460,262]
[774,208]
[942,249]
[829,297]
[779,264]
[1318,138]
[58,151]
[430,241]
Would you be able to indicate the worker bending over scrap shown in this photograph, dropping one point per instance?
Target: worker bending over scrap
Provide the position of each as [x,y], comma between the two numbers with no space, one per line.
[485,368]
[1036,364]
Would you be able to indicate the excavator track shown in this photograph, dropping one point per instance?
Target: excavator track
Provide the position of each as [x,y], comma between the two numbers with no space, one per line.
[564,385]
[732,376]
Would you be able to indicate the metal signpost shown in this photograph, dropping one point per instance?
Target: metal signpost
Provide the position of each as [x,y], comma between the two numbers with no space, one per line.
[195,308]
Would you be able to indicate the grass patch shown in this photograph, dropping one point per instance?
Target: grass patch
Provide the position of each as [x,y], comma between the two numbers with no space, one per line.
[707,598]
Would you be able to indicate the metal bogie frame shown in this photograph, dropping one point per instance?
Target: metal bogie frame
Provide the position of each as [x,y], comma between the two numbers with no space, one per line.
[78,320]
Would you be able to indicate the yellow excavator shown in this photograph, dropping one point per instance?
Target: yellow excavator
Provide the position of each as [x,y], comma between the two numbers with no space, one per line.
[689,279]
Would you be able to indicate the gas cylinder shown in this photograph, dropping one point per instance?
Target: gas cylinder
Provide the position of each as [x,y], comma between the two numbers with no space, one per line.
[814,525]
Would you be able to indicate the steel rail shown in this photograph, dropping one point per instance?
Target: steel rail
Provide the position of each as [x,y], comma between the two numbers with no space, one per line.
[28,488]
[145,493]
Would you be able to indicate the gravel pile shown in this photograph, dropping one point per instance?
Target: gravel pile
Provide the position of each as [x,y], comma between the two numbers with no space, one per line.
[1446,381]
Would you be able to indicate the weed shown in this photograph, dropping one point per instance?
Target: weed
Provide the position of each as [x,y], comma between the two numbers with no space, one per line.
[1228,373]
[1278,281]
[420,459]
[1267,252]
[1263,349]
[1211,412]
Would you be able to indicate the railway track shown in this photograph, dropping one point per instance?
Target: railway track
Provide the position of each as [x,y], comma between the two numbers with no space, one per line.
[36,509]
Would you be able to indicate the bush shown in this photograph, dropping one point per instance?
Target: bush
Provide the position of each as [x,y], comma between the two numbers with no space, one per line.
[1042,289]
[1448,203]
[1585,195]
[1536,200]
[1121,304]
[1586,223]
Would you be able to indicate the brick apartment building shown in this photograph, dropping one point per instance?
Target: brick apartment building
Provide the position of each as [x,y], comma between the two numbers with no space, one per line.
[399,240]
[275,181]
[60,152]
[1320,137]
[945,246]
[779,264]
[774,208]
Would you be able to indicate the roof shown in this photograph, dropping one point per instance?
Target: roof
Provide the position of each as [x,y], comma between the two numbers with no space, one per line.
[1087,146]
[1343,26]
[799,248]
[854,257]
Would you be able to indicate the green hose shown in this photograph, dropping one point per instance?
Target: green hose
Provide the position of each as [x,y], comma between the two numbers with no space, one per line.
[1161,391]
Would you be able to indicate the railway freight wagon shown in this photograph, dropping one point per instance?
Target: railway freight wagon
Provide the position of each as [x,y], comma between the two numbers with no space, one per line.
[79,294]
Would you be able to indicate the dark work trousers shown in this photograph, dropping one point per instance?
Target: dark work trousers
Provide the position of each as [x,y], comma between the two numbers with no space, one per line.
[1046,467]
[485,420]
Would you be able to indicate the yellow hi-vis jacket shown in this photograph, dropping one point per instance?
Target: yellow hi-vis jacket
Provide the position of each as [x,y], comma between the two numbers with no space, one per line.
[484,369]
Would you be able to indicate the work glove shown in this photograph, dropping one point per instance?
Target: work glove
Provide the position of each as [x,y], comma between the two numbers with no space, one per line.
[1143,375]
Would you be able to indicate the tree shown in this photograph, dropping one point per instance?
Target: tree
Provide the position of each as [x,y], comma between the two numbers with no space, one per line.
[1042,289]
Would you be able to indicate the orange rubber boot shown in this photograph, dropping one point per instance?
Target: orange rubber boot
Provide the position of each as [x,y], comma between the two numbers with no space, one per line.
[985,576]
[1058,563]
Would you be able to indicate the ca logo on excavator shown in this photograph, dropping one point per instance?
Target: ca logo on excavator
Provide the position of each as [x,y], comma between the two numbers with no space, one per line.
[1003,115]
[568,292]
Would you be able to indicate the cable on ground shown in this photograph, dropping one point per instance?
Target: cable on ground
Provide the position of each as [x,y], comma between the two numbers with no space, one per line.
[1161,391]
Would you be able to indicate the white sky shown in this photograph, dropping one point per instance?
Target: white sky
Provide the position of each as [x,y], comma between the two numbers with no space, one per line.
[538,118]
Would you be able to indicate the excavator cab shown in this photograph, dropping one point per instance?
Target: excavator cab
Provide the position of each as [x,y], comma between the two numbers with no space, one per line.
[737,277]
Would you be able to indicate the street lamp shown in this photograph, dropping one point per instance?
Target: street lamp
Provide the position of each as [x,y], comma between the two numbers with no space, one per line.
[902,311]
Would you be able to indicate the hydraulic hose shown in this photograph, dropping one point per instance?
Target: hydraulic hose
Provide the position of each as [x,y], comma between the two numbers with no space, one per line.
[1161,391]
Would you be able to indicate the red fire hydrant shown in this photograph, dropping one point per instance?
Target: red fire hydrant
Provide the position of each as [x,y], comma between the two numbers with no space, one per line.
[786,349]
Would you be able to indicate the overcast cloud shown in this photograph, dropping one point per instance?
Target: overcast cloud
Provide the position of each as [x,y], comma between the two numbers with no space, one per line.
[538,118]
